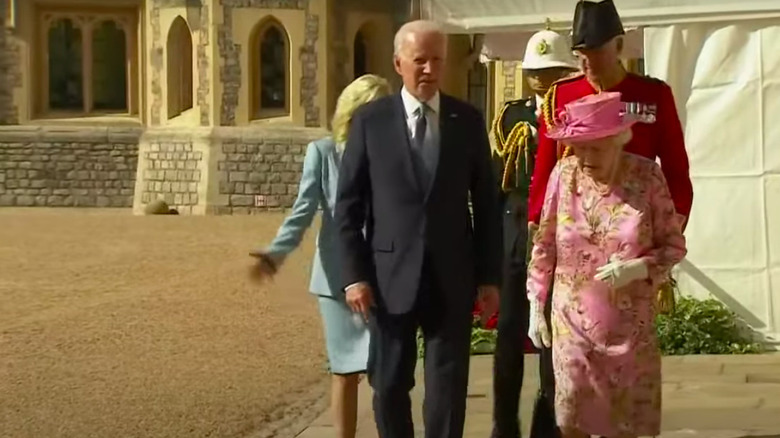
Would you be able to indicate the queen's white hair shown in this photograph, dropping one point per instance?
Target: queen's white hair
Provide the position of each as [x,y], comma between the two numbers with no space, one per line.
[623,138]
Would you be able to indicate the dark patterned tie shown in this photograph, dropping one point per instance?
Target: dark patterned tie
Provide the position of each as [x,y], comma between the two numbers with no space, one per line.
[421,149]
[420,127]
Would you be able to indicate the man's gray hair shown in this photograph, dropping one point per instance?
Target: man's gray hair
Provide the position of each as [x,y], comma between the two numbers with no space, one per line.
[419,27]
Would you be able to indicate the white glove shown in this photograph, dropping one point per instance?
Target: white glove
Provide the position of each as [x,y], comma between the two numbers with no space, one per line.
[538,331]
[622,273]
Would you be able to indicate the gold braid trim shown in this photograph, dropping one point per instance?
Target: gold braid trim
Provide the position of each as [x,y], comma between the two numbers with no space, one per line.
[667,297]
[566,152]
[548,111]
[511,149]
[548,107]
[515,149]
[500,143]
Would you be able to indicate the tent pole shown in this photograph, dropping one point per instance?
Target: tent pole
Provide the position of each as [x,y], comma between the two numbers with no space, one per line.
[415,9]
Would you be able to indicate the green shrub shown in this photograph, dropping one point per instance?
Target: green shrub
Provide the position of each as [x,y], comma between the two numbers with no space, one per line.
[703,327]
[693,327]
[483,341]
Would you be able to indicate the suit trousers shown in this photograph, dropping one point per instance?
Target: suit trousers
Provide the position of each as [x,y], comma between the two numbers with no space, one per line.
[543,423]
[509,358]
[445,321]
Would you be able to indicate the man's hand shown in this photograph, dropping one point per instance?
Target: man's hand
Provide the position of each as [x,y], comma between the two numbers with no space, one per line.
[488,299]
[360,298]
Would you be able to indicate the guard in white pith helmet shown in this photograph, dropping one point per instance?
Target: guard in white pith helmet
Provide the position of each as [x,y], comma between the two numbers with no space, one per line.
[548,58]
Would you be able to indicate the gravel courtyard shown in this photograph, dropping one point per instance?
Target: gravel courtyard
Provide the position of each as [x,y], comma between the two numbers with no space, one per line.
[116,325]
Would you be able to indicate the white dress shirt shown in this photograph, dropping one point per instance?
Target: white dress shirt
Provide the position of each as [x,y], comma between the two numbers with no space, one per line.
[411,105]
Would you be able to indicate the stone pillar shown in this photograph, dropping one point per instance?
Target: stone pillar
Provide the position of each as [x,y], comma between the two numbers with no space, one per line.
[200,19]
[10,73]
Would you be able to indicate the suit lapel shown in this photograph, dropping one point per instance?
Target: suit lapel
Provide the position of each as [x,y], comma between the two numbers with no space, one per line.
[401,130]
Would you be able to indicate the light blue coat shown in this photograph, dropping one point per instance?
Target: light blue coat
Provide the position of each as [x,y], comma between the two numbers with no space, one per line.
[316,189]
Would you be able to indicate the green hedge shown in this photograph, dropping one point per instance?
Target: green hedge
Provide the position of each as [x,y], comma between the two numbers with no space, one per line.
[703,327]
[693,327]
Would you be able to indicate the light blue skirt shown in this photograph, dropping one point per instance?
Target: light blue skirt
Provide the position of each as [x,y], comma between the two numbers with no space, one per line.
[346,336]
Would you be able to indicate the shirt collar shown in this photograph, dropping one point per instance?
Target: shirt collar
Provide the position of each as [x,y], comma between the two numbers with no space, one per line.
[411,103]
[539,100]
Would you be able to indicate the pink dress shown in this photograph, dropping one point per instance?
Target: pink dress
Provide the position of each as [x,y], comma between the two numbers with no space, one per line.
[605,353]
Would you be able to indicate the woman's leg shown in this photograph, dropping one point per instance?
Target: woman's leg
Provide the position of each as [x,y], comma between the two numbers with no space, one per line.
[344,403]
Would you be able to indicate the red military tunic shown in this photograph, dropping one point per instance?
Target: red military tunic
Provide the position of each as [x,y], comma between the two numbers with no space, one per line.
[662,138]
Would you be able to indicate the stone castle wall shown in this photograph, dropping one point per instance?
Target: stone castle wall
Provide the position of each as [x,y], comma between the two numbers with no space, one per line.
[171,173]
[60,167]
[197,171]
[226,170]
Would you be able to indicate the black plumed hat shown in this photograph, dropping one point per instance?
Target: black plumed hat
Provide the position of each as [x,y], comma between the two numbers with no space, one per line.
[595,23]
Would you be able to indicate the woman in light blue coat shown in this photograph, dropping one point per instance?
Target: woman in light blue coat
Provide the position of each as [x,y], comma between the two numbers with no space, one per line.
[346,333]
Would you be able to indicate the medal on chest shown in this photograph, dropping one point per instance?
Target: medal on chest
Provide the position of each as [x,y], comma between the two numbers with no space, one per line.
[642,112]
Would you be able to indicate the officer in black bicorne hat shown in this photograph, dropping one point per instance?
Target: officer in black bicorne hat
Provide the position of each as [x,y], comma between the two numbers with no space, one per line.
[595,24]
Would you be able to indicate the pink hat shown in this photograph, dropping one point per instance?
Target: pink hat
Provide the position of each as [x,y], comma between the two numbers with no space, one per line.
[591,117]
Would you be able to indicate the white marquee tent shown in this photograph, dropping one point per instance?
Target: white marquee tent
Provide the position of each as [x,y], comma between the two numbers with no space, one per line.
[722,61]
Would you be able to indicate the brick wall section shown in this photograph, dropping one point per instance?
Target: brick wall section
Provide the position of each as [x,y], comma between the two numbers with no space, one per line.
[172,173]
[84,167]
[264,167]
[222,170]
[270,170]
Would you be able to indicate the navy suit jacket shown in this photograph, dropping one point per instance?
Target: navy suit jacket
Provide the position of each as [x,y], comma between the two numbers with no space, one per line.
[404,222]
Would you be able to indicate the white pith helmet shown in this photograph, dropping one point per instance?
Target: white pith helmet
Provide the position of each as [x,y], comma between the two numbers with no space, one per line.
[548,49]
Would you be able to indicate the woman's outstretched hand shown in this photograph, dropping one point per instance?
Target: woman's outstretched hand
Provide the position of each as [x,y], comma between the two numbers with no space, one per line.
[263,267]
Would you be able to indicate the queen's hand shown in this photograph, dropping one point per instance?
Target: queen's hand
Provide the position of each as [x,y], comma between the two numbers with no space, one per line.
[619,274]
[538,330]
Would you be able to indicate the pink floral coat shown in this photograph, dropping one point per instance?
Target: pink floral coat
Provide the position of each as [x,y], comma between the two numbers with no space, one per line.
[605,352]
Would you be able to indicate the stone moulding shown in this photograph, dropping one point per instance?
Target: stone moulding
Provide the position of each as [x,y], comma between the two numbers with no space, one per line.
[59,134]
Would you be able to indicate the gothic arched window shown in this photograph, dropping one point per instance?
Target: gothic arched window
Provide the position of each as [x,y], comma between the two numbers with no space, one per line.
[360,61]
[179,67]
[270,70]
[109,59]
[88,64]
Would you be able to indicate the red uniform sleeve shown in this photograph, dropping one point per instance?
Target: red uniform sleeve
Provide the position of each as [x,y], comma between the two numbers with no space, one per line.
[546,157]
[672,153]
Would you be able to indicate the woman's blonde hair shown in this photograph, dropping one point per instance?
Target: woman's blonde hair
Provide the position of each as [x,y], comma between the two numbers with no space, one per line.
[362,90]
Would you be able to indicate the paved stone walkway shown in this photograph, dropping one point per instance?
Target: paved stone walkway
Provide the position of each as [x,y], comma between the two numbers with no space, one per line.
[704,396]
